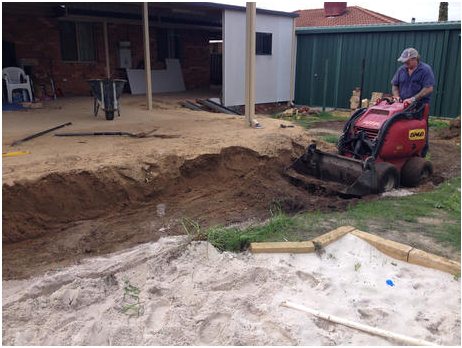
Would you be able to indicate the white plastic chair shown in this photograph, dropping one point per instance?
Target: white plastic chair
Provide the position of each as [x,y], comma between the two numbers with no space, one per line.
[15,78]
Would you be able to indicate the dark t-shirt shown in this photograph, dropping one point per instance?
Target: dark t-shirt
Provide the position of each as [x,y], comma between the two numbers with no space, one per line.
[409,86]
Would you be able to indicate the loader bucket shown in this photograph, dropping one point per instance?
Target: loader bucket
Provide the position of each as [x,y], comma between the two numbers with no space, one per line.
[356,178]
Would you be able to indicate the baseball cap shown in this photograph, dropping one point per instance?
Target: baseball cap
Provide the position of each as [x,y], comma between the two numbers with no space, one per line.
[407,54]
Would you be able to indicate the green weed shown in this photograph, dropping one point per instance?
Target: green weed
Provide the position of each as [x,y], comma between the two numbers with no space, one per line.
[330,138]
[131,304]
[437,124]
[193,229]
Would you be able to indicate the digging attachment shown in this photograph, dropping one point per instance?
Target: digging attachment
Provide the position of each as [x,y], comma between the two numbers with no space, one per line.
[356,178]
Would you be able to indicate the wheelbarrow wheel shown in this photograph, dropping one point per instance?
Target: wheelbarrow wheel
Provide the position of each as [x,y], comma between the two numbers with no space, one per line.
[109,115]
[95,107]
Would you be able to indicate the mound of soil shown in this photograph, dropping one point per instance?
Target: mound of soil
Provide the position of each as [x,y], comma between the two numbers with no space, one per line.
[32,209]
[451,132]
[63,217]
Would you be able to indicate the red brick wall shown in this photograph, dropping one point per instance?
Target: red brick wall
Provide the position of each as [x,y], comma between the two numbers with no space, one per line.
[117,33]
[38,38]
[195,58]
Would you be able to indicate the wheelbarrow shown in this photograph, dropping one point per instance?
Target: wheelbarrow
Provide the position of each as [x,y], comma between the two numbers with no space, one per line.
[106,96]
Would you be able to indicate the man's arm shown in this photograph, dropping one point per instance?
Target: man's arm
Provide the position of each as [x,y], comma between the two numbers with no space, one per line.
[395,85]
[395,92]
[423,92]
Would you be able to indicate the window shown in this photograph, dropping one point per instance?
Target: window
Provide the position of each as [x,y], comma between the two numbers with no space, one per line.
[264,43]
[77,42]
[168,44]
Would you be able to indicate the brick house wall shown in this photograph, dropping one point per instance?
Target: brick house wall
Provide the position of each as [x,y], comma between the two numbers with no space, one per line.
[194,57]
[195,60]
[37,39]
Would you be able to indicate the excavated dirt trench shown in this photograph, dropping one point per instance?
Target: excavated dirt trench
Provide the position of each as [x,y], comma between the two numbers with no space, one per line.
[58,220]
[63,217]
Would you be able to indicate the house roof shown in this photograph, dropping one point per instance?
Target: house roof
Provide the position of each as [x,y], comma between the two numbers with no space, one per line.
[243,8]
[354,15]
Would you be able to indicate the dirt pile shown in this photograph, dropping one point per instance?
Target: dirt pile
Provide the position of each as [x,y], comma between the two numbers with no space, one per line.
[452,132]
[32,209]
[174,292]
[238,174]
[63,217]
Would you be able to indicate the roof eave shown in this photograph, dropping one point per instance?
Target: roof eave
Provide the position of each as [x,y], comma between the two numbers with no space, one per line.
[242,8]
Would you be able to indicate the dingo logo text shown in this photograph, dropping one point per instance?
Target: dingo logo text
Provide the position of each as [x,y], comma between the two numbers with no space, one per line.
[416,134]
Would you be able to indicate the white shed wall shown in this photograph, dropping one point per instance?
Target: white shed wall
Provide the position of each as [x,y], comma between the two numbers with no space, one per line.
[272,83]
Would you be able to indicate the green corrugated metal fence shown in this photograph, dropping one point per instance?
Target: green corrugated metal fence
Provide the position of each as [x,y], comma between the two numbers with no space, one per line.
[380,46]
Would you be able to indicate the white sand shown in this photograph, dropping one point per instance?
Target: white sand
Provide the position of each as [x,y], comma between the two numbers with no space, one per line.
[193,295]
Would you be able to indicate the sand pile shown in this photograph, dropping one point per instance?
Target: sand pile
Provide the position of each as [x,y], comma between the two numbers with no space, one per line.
[178,293]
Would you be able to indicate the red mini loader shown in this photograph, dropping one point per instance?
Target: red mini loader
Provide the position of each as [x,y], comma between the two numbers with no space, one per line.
[381,147]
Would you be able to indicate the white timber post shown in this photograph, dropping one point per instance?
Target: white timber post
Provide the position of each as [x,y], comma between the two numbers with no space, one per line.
[147,56]
[250,63]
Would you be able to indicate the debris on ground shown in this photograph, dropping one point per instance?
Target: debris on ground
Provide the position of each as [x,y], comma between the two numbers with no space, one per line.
[15,153]
[299,112]
[210,105]
[191,105]
[216,107]
[402,192]
[110,133]
[32,105]
[36,135]
[290,112]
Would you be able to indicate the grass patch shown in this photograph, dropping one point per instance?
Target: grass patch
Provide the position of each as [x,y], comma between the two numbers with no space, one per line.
[322,117]
[307,121]
[390,213]
[330,138]
[442,203]
[327,116]
[436,123]
[278,228]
